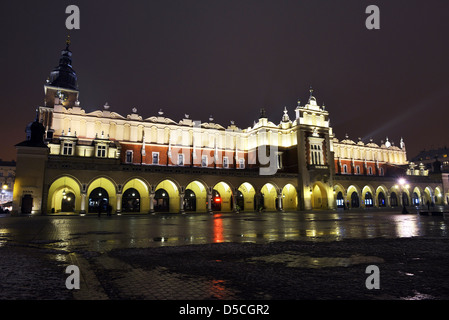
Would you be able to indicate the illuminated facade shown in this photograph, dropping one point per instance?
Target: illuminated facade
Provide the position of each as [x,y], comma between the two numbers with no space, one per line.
[81,161]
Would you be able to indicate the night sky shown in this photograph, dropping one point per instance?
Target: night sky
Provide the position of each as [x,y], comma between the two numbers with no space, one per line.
[230,58]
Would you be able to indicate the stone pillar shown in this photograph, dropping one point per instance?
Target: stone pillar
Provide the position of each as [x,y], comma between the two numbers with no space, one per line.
[234,202]
[83,203]
[181,202]
[119,203]
[279,199]
[209,200]
[152,194]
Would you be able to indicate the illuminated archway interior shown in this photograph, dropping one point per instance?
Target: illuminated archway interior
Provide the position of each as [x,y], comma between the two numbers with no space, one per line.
[269,196]
[168,191]
[195,197]
[289,197]
[353,197]
[319,197]
[135,197]
[94,192]
[225,197]
[245,197]
[64,193]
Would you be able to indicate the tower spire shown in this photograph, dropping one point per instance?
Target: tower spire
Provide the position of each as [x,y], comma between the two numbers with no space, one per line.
[67,42]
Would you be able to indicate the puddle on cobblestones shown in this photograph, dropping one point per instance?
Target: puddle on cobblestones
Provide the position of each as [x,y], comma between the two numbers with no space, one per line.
[302,261]
[419,296]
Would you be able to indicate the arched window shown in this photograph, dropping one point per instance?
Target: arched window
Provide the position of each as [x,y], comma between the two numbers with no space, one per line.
[345,168]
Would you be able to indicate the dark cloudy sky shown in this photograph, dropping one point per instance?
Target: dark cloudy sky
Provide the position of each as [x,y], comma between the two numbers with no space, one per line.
[229,58]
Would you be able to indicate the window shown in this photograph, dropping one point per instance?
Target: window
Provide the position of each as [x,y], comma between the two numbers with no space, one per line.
[316,154]
[345,168]
[155,158]
[370,170]
[357,169]
[225,162]
[129,156]
[67,149]
[204,161]
[381,171]
[101,151]
[241,163]
[180,159]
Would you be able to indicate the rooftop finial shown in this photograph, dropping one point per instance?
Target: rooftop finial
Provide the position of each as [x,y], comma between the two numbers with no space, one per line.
[67,42]
[311,91]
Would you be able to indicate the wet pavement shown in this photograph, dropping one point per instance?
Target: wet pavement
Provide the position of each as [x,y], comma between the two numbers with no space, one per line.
[244,256]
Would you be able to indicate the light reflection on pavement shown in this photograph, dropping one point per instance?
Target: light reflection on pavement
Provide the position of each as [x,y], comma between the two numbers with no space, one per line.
[105,233]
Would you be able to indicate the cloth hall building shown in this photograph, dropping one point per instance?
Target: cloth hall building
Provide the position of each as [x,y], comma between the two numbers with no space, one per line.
[81,162]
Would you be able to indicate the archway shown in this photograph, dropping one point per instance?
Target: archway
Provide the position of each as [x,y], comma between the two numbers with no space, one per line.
[428,196]
[68,202]
[62,187]
[195,197]
[415,199]
[438,196]
[394,199]
[368,199]
[319,197]
[289,197]
[105,193]
[222,197]
[381,199]
[161,201]
[340,200]
[245,197]
[355,202]
[216,201]
[131,200]
[135,197]
[189,200]
[269,193]
[353,196]
[166,198]
[98,200]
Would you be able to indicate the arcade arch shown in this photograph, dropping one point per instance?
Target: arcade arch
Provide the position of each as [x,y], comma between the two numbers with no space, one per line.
[289,197]
[135,197]
[101,192]
[64,195]
[245,197]
[269,196]
[319,196]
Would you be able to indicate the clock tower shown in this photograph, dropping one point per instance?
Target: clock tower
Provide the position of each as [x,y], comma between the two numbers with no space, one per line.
[61,88]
